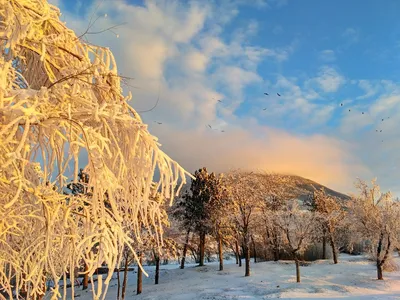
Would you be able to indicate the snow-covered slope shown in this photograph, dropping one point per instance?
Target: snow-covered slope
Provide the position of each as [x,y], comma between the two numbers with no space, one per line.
[353,278]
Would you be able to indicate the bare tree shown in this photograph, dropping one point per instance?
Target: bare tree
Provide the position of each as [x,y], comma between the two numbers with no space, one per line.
[376,218]
[331,215]
[218,205]
[245,192]
[298,226]
[278,190]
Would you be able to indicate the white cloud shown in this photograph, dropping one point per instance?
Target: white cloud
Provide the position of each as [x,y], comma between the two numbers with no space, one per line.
[388,104]
[237,78]
[278,29]
[351,34]
[279,3]
[252,27]
[329,79]
[368,88]
[327,55]
[196,61]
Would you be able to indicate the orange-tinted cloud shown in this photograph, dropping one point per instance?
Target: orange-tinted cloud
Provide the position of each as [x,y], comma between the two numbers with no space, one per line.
[318,157]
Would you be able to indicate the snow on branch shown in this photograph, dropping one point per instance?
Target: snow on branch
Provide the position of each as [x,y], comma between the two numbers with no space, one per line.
[61,100]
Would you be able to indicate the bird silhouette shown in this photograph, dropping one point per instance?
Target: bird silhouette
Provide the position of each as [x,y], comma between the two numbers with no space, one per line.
[209,125]
[266,94]
[278,94]
[159,123]
[362,112]
[264,109]
[219,100]
[341,104]
[349,109]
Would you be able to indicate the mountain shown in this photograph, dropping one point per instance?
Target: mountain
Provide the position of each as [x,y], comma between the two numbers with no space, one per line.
[306,186]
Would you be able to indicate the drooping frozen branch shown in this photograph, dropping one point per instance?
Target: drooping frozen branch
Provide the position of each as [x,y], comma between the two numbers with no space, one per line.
[60,101]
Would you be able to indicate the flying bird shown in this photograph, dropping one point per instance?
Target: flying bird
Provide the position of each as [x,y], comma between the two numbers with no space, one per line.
[362,112]
[349,109]
[159,123]
[264,108]
[278,94]
[266,94]
[222,130]
[341,104]
[219,100]
[209,125]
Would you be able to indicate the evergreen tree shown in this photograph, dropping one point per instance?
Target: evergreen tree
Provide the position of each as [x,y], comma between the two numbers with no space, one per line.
[192,208]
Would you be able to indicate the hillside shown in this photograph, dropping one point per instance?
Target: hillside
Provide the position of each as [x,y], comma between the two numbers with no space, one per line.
[304,188]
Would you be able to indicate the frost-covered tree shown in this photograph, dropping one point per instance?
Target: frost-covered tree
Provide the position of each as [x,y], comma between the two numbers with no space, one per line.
[376,220]
[245,193]
[298,226]
[219,219]
[61,100]
[278,190]
[331,214]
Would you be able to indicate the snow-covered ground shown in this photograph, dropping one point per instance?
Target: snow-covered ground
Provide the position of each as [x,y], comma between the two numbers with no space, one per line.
[353,278]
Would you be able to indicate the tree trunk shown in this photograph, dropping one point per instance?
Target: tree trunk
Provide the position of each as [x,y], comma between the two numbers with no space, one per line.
[220,254]
[378,255]
[247,260]
[157,275]
[125,280]
[324,246]
[379,269]
[118,284]
[237,257]
[276,254]
[185,249]
[254,249]
[195,255]
[238,253]
[334,251]
[380,262]
[139,277]
[202,247]
[208,256]
[296,259]
[23,292]
[85,283]
[276,247]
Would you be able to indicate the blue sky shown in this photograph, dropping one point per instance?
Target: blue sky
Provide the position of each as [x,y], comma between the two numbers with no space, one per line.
[316,54]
